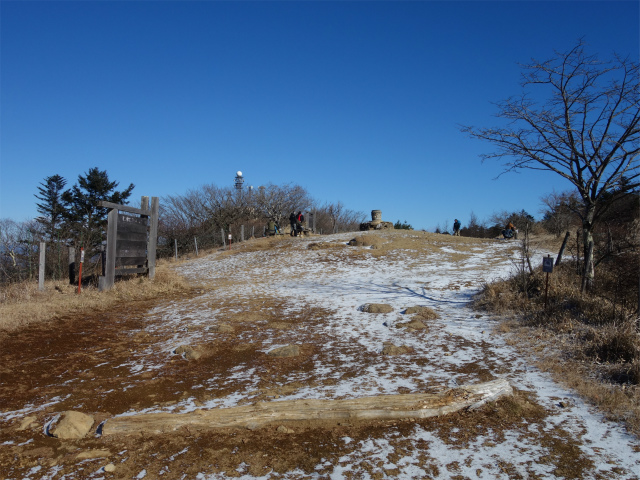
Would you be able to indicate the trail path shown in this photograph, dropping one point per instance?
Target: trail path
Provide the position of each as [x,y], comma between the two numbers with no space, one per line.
[309,292]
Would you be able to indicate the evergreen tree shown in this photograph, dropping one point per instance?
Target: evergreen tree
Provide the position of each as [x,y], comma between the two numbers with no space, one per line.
[86,220]
[51,207]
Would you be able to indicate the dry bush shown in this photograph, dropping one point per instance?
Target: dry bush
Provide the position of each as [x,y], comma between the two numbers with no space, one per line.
[422,313]
[22,303]
[591,342]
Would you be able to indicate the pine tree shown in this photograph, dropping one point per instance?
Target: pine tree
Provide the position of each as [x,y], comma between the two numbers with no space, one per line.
[85,218]
[51,207]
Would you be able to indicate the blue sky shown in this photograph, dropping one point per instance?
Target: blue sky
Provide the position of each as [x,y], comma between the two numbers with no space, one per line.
[358,102]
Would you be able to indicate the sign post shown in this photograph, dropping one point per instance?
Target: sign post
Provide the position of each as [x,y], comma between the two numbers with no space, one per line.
[547,267]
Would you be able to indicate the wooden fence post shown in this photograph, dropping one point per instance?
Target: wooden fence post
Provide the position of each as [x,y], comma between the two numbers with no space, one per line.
[175,247]
[242,233]
[224,241]
[153,237]
[110,266]
[195,240]
[72,266]
[564,244]
[43,249]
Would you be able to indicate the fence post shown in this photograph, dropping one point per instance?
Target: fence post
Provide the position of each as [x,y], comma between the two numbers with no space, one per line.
[224,241]
[72,266]
[242,233]
[253,231]
[153,237]
[175,247]
[196,242]
[43,248]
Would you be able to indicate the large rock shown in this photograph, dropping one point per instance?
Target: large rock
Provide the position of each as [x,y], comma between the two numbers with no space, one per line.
[71,425]
[391,349]
[288,351]
[423,313]
[376,308]
[188,352]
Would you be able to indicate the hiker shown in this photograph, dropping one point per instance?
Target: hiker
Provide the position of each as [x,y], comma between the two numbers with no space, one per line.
[510,231]
[299,222]
[456,227]
[292,222]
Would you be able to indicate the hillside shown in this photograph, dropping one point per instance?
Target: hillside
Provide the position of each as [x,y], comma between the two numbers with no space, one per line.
[295,319]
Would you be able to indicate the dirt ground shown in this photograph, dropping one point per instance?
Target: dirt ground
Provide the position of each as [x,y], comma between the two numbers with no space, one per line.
[65,359]
[83,363]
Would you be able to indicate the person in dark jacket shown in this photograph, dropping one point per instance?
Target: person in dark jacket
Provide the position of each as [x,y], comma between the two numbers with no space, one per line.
[456,227]
[292,222]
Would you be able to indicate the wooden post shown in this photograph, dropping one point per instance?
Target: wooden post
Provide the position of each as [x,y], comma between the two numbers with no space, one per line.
[224,241]
[80,269]
[564,244]
[242,233]
[43,249]
[253,230]
[110,264]
[72,266]
[195,240]
[175,246]
[153,237]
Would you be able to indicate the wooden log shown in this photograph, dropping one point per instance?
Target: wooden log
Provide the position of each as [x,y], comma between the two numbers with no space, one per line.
[384,407]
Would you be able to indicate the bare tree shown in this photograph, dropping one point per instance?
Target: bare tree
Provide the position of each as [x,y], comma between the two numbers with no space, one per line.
[586,131]
[276,202]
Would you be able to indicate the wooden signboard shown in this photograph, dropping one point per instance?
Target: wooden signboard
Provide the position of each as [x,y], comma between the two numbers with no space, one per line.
[131,240]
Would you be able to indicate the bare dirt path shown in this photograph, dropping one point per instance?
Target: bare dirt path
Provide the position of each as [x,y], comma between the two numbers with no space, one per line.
[306,293]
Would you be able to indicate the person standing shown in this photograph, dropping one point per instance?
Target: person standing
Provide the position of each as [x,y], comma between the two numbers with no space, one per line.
[299,222]
[456,227]
[292,222]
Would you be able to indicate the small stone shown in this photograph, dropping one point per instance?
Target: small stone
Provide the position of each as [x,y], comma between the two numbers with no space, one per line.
[283,429]
[110,467]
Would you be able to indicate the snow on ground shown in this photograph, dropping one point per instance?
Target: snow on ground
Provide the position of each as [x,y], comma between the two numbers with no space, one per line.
[460,348]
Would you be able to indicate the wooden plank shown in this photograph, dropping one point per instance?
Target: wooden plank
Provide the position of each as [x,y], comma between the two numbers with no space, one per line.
[384,407]
[127,261]
[127,249]
[129,219]
[132,237]
[130,271]
[123,208]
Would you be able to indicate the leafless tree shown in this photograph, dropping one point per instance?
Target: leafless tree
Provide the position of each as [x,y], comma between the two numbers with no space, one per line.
[586,131]
[276,202]
[332,217]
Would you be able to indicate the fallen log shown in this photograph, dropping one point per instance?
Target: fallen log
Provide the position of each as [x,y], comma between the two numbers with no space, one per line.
[383,407]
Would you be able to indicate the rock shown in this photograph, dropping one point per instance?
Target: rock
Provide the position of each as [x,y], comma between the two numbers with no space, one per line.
[424,313]
[188,352]
[283,429]
[110,467]
[93,454]
[376,308]
[413,325]
[366,241]
[71,425]
[391,349]
[27,422]
[288,351]
[222,328]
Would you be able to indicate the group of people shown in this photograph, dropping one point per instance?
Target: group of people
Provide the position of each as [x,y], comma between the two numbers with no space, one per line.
[510,230]
[296,220]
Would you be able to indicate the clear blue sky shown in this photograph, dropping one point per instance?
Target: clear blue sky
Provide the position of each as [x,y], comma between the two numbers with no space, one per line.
[358,102]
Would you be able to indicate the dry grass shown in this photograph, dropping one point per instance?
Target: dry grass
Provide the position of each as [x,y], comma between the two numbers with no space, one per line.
[586,341]
[22,304]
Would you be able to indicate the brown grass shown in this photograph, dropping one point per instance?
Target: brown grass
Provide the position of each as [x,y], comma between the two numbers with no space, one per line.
[22,304]
[586,341]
